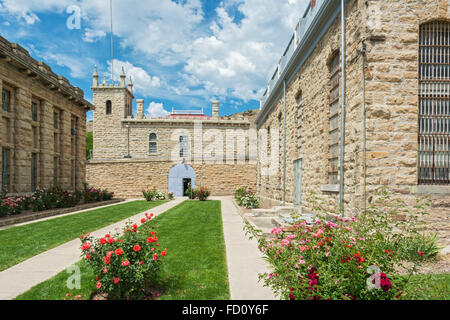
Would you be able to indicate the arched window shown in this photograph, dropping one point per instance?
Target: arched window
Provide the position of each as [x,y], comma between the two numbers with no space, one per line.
[434,103]
[153,143]
[108,107]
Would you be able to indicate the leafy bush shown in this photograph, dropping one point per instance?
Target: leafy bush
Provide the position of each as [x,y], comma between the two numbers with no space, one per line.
[125,264]
[421,246]
[170,195]
[202,193]
[239,193]
[342,258]
[52,198]
[151,195]
[190,193]
[246,198]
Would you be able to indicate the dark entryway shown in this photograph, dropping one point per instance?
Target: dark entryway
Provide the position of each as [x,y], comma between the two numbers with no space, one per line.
[186,183]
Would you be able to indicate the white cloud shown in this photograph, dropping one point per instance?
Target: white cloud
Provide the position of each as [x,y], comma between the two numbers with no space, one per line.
[156,110]
[233,55]
[91,35]
[142,81]
[78,68]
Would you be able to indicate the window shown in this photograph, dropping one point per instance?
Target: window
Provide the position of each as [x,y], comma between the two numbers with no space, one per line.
[55,120]
[34,111]
[434,103]
[108,107]
[55,171]
[299,123]
[333,144]
[5,170]
[153,143]
[6,100]
[184,146]
[33,171]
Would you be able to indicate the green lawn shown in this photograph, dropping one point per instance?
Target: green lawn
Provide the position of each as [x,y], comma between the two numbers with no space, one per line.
[194,268]
[428,287]
[23,242]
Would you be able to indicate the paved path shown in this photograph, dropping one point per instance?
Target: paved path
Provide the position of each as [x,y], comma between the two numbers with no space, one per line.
[244,259]
[23,276]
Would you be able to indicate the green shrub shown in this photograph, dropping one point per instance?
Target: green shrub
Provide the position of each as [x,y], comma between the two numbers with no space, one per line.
[343,258]
[124,265]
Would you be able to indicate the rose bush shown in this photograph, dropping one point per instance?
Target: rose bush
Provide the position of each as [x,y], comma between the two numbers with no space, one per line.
[124,264]
[246,198]
[337,257]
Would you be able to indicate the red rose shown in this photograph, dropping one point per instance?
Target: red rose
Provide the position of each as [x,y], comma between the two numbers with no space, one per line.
[119,251]
[125,263]
[137,248]
[163,253]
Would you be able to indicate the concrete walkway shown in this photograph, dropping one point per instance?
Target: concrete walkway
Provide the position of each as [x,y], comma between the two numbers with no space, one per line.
[244,259]
[23,276]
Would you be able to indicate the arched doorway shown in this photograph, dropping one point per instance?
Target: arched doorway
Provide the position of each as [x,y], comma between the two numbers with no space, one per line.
[180,176]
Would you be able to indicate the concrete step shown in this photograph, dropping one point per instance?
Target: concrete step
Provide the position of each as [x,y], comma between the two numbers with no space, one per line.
[263,212]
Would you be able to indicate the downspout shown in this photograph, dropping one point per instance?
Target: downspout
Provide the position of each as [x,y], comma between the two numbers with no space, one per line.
[284,144]
[341,157]
[363,54]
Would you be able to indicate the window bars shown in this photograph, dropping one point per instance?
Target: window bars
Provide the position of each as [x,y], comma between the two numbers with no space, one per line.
[434,104]
[333,145]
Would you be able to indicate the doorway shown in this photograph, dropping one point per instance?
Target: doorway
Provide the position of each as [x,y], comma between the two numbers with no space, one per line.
[186,184]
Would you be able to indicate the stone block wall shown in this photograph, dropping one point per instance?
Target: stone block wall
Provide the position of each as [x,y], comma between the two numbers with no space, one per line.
[390,31]
[27,82]
[127,177]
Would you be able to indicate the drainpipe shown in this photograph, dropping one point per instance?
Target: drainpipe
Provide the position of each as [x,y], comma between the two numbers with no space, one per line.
[341,157]
[363,54]
[284,144]
[128,156]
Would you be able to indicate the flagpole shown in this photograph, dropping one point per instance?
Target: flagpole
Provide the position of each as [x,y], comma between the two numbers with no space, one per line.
[112,43]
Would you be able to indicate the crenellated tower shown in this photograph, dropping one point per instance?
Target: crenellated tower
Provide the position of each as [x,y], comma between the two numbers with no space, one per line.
[113,103]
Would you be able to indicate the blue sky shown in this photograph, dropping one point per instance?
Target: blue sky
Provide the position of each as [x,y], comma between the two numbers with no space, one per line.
[181,54]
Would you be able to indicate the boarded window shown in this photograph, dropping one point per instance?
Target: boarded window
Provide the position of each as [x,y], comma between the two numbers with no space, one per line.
[333,144]
[434,103]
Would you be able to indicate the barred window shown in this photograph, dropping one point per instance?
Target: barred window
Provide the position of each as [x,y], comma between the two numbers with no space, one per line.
[5,187]
[6,100]
[34,111]
[184,146]
[153,143]
[434,103]
[299,123]
[333,144]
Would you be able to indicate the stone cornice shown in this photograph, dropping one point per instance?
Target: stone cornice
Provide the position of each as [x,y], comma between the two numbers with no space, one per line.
[20,58]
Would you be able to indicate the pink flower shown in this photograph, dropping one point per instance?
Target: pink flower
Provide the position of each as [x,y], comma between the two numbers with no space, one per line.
[125,263]
[155,257]
[98,285]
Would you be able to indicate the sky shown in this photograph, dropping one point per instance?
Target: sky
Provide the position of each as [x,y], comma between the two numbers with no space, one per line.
[181,54]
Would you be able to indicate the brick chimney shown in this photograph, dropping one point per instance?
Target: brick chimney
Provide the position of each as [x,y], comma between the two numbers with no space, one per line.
[215,108]
[140,108]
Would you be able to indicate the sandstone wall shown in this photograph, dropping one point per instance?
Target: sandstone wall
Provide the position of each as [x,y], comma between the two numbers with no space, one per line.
[126,178]
[23,136]
[390,30]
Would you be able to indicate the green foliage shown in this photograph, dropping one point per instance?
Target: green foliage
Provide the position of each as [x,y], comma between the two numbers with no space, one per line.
[246,198]
[89,144]
[345,258]
[124,263]
[154,194]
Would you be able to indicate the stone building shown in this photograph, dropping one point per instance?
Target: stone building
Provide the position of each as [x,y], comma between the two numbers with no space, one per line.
[133,152]
[396,119]
[42,125]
